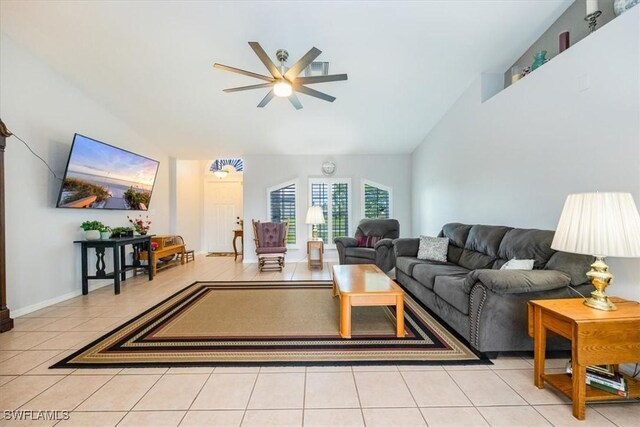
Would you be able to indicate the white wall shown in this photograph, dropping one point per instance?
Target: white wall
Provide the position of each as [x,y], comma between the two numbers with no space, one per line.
[262,172]
[513,159]
[36,103]
[189,202]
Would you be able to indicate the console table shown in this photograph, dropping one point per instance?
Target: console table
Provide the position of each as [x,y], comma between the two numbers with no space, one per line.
[236,234]
[120,267]
[597,338]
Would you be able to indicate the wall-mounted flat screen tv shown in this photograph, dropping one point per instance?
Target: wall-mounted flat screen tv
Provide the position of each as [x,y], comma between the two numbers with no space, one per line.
[101,176]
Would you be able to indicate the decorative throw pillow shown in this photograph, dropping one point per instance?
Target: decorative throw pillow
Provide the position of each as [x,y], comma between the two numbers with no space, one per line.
[433,248]
[367,241]
[518,264]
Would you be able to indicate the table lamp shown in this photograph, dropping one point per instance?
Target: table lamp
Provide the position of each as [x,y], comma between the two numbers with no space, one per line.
[315,217]
[599,224]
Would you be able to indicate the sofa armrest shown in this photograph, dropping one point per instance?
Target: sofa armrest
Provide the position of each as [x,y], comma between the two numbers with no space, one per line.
[347,242]
[517,281]
[406,247]
[383,243]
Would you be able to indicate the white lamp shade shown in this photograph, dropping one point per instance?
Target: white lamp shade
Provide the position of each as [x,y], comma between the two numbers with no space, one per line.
[600,224]
[315,215]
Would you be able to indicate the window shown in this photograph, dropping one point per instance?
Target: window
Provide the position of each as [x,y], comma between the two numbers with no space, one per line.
[282,206]
[376,200]
[333,195]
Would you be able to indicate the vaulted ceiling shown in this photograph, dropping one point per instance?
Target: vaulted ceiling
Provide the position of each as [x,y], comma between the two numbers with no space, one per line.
[150,64]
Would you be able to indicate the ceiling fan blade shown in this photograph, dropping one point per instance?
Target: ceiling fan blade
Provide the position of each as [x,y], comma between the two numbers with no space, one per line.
[243,72]
[314,93]
[238,89]
[295,101]
[320,79]
[266,99]
[265,59]
[302,64]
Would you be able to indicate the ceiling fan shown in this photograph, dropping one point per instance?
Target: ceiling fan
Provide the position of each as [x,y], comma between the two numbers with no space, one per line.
[284,81]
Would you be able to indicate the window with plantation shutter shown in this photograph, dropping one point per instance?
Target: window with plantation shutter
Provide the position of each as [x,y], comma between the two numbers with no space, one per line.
[376,200]
[334,196]
[282,206]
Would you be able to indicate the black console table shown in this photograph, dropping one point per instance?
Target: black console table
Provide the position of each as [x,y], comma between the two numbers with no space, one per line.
[120,267]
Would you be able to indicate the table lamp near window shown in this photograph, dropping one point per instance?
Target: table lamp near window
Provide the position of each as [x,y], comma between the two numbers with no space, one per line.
[315,217]
[599,224]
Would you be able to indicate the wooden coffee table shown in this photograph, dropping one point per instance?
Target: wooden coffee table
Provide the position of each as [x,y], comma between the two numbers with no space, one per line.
[365,285]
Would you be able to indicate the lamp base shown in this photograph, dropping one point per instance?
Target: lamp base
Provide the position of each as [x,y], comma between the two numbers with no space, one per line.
[314,232]
[600,278]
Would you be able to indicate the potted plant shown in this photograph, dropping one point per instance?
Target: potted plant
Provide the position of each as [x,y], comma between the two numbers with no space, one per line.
[105,232]
[92,229]
[118,232]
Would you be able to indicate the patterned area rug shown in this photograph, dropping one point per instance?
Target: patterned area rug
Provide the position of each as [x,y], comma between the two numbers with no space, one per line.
[268,323]
[221,254]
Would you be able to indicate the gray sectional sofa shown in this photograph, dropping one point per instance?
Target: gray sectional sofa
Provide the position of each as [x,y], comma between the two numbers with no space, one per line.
[485,305]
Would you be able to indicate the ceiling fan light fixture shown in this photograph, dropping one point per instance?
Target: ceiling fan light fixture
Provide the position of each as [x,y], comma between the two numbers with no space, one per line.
[282,89]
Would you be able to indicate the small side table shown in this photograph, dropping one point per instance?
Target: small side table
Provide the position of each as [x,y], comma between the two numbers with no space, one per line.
[315,247]
[238,233]
[597,338]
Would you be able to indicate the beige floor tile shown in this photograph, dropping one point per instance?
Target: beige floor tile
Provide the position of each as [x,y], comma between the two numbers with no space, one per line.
[68,393]
[27,340]
[276,418]
[172,392]
[237,370]
[64,324]
[624,414]
[6,378]
[453,417]
[5,355]
[93,419]
[143,371]
[382,417]
[194,370]
[43,368]
[331,390]
[274,369]
[329,369]
[29,421]
[212,418]
[521,380]
[121,393]
[25,361]
[374,368]
[432,388]
[153,418]
[22,389]
[383,390]
[476,385]
[30,323]
[562,415]
[510,416]
[67,340]
[406,368]
[97,371]
[278,391]
[333,418]
[226,391]
[53,312]
[466,367]
[98,324]
[505,362]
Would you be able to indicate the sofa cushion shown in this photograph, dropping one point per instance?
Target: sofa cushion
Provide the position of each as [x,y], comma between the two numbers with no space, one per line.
[576,266]
[527,244]
[426,272]
[451,289]
[481,247]
[456,232]
[433,248]
[406,264]
[368,253]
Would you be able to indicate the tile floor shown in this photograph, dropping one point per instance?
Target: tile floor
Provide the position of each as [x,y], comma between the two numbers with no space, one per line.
[499,395]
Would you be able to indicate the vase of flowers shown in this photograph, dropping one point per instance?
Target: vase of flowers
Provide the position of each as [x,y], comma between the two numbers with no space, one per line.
[141,226]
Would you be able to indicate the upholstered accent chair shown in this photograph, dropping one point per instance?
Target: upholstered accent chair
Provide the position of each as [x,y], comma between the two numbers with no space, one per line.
[372,244]
[271,244]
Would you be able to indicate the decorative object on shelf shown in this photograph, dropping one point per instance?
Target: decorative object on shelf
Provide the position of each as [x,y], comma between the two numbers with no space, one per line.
[92,229]
[315,217]
[539,58]
[328,168]
[141,226]
[563,41]
[154,246]
[592,14]
[525,71]
[118,232]
[621,6]
[599,224]
[105,233]
[516,73]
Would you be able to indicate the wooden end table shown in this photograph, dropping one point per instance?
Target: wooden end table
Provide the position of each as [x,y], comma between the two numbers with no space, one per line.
[597,338]
[312,245]
[365,285]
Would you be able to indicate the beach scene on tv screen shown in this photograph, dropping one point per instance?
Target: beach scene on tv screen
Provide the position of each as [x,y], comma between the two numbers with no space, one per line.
[105,177]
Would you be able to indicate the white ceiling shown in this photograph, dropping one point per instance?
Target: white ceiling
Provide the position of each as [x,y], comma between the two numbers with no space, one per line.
[150,64]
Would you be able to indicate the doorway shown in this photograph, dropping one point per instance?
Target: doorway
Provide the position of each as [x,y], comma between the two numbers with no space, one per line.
[222,213]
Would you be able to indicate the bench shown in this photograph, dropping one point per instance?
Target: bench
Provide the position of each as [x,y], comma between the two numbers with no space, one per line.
[167,246]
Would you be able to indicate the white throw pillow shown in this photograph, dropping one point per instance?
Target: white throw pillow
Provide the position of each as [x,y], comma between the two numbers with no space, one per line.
[518,264]
[433,248]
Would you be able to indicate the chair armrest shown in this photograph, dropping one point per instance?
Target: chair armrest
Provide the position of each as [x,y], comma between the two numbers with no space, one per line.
[517,281]
[406,246]
[386,243]
[347,242]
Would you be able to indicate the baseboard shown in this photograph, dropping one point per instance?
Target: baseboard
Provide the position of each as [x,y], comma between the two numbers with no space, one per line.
[55,300]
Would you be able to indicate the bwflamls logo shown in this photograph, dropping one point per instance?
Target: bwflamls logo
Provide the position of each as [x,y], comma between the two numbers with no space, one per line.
[30,415]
